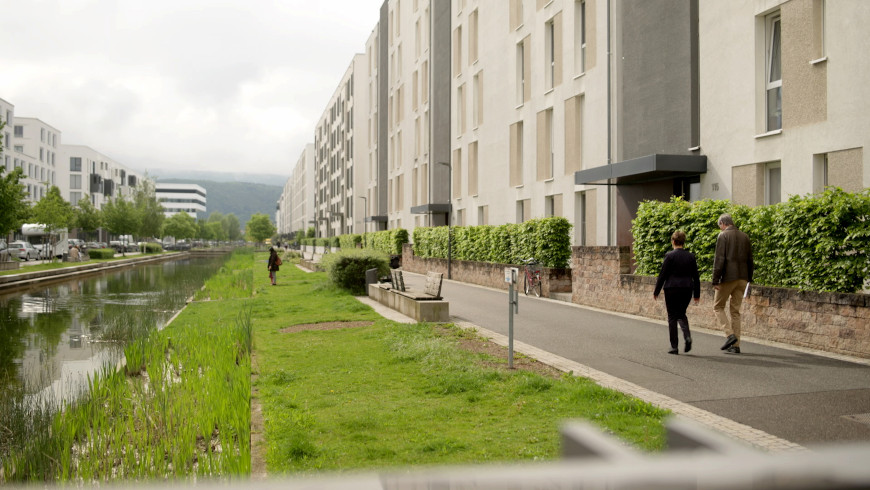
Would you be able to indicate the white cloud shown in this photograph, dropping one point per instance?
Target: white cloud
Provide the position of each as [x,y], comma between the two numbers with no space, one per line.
[196,84]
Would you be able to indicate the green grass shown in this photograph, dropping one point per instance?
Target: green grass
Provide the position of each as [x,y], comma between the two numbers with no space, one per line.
[393,394]
[62,265]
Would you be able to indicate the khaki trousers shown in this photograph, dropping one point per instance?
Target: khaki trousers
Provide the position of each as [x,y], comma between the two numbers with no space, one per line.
[734,291]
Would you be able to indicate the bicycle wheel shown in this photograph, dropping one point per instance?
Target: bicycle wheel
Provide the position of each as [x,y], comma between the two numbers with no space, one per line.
[537,287]
[526,285]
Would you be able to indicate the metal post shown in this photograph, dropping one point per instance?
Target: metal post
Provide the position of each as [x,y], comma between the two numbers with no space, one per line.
[513,306]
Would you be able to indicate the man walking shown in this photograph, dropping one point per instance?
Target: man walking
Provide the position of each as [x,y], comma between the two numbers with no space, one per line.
[732,271]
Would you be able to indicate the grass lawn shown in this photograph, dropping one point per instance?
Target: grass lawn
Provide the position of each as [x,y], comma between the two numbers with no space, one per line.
[367,392]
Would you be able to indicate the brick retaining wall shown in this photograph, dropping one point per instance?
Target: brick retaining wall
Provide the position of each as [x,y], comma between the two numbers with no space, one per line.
[832,322]
[483,273]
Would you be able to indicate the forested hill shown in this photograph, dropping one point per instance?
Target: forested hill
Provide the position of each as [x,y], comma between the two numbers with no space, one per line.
[240,198]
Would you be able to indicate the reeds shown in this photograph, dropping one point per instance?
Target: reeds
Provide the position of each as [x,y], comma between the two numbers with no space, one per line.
[179,409]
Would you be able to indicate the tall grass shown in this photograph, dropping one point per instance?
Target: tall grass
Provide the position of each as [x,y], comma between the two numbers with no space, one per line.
[179,409]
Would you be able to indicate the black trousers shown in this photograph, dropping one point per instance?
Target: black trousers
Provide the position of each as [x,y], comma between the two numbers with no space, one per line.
[676,301]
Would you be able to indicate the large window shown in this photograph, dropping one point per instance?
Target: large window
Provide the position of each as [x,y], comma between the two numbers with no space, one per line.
[75,182]
[773,78]
[550,55]
[75,164]
[773,183]
[579,36]
[19,131]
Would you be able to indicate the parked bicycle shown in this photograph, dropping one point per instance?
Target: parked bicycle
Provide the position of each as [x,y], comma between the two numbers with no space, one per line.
[532,280]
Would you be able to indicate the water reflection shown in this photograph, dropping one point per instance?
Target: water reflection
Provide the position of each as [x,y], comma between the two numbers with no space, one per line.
[55,336]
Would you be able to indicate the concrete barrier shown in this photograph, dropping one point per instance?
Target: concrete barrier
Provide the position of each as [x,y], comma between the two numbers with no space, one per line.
[421,311]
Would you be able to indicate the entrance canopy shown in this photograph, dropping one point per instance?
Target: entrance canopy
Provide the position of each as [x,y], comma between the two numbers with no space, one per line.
[651,168]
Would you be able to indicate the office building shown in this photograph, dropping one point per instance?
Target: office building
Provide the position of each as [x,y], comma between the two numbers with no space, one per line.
[175,198]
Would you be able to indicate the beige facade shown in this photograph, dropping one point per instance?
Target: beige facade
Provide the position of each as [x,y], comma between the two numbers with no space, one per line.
[338,156]
[301,199]
[825,99]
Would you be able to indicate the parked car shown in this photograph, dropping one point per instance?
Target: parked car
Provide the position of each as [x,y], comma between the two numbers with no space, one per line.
[77,243]
[4,251]
[41,250]
[92,245]
[23,250]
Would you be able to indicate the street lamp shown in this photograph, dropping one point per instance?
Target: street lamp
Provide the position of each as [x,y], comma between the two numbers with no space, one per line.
[365,211]
[449,219]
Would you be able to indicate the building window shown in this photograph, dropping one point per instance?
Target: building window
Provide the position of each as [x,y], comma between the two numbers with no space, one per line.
[773,183]
[75,182]
[472,36]
[545,147]
[482,215]
[75,164]
[456,170]
[75,197]
[472,169]
[19,131]
[457,51]
[550,54]
[773,79]
[516,154]
[460,110]
[580,36]
[521,73]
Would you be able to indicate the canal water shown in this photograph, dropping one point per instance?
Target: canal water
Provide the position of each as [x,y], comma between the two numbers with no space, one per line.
[53,337]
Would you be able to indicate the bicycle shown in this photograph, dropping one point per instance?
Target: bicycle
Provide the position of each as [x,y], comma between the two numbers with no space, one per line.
[532,280]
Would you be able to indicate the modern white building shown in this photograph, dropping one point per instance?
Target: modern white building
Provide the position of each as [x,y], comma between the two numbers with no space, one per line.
[175,198]
[35,150]
[86,172]
[338,159]
[302,194]
[7,117]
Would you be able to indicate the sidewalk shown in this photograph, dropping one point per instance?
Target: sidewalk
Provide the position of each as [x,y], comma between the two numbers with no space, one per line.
[772,396]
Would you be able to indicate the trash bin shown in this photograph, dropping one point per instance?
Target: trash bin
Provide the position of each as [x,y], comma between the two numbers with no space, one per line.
[371,277]
[395,261]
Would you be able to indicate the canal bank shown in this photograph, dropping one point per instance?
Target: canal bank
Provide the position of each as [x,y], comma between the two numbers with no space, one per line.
[23,280]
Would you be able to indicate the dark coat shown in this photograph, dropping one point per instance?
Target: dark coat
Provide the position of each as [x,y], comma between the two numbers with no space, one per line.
[679,270]
[733,259]
[273,257]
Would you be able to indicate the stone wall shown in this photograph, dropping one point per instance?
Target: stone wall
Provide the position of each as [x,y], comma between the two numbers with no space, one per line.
[832,322]
[483,273]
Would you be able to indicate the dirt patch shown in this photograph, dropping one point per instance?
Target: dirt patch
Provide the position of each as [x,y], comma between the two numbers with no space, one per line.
[474,343]
[258,444]
[325,326]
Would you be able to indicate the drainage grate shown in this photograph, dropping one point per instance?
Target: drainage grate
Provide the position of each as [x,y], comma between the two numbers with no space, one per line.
[861,418]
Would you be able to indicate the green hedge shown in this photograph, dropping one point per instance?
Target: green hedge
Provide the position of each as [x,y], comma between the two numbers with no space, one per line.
[387,241]
[548,240]
[101,253]
[151,248]
[349,241]
[347,268]
[817,242]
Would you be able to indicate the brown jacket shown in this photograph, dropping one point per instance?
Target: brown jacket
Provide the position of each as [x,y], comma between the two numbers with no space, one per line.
[733,259]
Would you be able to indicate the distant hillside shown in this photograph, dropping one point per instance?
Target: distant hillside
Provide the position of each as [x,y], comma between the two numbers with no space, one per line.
[240,198]
[182,175]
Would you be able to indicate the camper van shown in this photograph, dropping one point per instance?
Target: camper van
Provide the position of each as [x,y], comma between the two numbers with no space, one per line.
[53,244]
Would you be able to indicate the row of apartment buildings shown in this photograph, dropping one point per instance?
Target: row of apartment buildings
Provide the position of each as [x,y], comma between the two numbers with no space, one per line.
[482,112]
[77,170]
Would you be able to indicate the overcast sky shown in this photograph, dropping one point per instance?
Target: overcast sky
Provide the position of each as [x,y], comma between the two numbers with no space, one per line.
[221,85]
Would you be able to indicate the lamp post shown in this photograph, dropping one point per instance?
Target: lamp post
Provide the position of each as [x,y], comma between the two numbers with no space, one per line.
[449,219]
[365,211]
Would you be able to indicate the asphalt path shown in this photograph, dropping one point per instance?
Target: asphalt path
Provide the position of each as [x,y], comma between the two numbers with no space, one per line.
[806,398]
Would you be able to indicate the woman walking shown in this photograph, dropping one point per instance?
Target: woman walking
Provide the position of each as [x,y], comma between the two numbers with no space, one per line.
[274,263]
[681,282]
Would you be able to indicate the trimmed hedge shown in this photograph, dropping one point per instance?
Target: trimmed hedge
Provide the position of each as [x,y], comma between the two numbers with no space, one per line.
[347,268]
[816,242]
[387,241]
[151,248]
[548,240]
[101,253]
[349,241]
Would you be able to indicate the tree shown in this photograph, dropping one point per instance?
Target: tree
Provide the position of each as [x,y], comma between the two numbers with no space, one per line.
[232,227]
[259,228]
[310,233]
[87,217]
[181,226]
[121,218]
[149,209]
[54,213]
[216,231]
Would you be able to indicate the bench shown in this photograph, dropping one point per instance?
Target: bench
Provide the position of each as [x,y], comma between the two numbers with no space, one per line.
[423,306]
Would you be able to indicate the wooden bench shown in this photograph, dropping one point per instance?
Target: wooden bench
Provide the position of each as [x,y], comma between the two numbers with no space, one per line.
[423,306]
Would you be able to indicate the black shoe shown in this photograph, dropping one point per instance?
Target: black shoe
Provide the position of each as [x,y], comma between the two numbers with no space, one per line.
[733,350]
[688,346]
[674,351]
[731,340]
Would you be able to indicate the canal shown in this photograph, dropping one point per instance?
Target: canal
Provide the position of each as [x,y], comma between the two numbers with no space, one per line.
[53,337]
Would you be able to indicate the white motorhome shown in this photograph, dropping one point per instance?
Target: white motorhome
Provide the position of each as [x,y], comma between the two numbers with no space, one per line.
[55,242]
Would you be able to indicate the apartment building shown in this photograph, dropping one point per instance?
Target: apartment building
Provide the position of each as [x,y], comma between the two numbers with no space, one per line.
[784,98]
[7,111]
[295,210]
[86,172]
[337,158]
[35,150]
[175,198]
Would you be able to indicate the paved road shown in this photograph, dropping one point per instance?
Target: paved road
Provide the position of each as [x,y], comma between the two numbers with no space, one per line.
[802,397]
